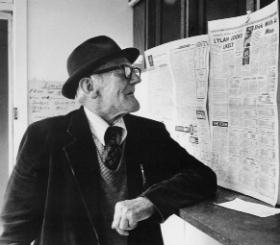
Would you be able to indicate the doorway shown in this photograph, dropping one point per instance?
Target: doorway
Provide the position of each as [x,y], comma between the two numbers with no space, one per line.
[5,102]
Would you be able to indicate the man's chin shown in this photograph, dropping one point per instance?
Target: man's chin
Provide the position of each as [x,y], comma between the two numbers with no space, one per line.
[135,107]
[132,108]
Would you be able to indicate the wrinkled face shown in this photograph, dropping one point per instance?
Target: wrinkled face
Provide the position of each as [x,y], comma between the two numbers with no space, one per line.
[116,92]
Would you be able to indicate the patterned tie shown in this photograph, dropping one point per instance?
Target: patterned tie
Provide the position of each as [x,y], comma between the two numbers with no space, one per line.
[112,139]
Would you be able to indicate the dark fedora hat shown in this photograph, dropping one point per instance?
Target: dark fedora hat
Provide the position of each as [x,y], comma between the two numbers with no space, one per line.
[90,55]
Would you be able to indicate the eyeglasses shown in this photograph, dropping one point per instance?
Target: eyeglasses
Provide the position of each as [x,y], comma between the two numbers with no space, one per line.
[128,71]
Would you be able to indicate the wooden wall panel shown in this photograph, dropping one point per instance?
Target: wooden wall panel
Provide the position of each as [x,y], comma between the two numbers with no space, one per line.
[139,26]
[217,9]
[170,21]
[196,17]
[263,3]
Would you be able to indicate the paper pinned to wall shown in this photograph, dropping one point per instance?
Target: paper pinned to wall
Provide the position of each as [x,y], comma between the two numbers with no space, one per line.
[45,100]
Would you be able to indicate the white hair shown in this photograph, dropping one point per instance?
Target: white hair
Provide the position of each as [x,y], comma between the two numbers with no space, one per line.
[80,95]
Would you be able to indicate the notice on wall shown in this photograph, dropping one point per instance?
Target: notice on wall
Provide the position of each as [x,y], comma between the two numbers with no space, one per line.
[218,95]
[45,100]
[243,102]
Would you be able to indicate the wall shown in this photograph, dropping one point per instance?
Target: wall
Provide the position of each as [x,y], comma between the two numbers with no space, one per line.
[55,27]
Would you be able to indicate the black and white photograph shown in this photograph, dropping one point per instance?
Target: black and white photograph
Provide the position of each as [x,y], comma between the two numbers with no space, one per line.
[139,122]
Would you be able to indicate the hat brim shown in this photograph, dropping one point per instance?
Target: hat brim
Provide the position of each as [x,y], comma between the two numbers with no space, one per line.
[69,88]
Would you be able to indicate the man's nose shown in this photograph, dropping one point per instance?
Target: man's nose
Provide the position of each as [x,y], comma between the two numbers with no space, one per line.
[135,79]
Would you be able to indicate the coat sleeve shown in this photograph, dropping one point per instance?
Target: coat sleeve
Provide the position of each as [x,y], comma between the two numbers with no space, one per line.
[183,179]
[22,211]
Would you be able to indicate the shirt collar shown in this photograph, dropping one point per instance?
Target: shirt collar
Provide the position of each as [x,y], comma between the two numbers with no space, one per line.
[98,126]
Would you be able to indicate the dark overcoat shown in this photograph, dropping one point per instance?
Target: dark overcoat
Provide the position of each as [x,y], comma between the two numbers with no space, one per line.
[52,196]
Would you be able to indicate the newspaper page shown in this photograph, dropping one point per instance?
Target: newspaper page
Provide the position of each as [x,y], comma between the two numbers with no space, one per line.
[243,103]
[178,84]
[189,62]
[160,87]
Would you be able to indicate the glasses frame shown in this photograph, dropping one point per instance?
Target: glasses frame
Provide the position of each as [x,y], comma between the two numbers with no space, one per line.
[133,70]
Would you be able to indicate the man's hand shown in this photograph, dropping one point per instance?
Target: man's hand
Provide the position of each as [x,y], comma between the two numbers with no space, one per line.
[129,212]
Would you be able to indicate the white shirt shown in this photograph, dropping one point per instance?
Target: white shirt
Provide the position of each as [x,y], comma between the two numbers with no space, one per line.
[98,126]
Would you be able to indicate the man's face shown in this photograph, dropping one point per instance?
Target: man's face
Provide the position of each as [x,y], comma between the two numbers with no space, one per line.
[117,92]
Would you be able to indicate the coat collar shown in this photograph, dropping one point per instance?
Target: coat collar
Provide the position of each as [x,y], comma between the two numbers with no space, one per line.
[78,127]
[98,125]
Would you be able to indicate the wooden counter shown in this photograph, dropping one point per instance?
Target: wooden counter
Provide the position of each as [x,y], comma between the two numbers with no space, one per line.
[231,227]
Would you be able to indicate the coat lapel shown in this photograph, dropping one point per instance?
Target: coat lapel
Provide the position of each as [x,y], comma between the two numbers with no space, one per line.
[82,158]
[134,159]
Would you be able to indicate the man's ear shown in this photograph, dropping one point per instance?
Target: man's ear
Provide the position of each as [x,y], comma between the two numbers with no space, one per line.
[89,86]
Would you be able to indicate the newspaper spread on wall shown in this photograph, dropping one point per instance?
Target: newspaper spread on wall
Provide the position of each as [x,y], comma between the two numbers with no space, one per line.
[243,103]
[177,78]
[189,62]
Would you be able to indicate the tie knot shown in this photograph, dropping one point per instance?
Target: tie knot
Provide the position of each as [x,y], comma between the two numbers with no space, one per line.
[113,136]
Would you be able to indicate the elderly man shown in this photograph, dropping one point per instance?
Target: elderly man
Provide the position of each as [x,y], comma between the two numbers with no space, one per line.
[98,175]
